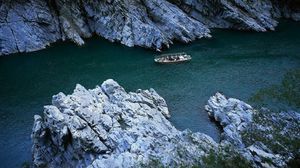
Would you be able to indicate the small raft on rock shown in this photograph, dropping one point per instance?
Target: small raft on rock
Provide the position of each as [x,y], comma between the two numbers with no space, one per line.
[172,58]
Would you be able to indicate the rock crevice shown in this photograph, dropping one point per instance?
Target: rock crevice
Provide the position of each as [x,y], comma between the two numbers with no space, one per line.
[109,127]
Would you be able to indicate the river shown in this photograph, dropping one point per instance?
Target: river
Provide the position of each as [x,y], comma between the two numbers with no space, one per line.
[235,63]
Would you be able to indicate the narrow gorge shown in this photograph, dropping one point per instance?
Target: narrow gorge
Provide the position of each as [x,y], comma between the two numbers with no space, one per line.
[219,83]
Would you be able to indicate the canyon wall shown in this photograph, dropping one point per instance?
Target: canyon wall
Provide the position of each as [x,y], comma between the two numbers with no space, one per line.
[30,25]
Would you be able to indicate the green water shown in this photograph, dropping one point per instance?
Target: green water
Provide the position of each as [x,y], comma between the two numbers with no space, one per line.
[235,63]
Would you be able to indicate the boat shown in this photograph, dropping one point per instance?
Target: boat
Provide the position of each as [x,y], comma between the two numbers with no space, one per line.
[172,58]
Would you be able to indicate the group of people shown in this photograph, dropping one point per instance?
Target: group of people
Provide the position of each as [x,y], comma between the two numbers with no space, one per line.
[174,58]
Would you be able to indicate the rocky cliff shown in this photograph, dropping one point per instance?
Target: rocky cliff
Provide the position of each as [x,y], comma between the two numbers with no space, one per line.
[109,127]
[34,24]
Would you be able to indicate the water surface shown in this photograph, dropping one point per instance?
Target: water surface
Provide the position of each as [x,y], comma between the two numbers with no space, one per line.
[235,63]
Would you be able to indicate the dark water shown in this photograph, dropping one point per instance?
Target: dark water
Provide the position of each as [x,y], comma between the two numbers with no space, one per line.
[235,63]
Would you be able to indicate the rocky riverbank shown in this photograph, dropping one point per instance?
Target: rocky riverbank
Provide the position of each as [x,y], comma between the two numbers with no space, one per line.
[109,127]
[32,25]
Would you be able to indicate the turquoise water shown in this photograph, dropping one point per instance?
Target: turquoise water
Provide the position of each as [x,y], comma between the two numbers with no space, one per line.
[235,63]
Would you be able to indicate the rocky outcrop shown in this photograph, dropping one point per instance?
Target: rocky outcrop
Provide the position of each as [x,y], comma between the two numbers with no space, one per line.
[264,138]
[279,132]
[232,114]
[32,25]
[27,26]
[109,127]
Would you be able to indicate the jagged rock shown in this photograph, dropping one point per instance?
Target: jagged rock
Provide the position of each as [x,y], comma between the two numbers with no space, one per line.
[108,127]
[262,155]
[233,115]
[238,14]
[264,138]
[278,134]
[26,26]
[32,25]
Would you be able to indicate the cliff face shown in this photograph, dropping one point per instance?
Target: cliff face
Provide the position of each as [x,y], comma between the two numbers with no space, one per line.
[33,24]
[109,127]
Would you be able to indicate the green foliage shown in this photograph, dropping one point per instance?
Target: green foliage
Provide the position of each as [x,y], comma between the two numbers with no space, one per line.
[122,123]
[294,163]
[291,88]
[273,138]
[153,163]
[225,158]
[25,165]
[280,135]
[288,92]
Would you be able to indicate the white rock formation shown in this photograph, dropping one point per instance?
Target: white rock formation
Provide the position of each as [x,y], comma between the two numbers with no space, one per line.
[236,118]
[232,114]
[33,24]
[108,127]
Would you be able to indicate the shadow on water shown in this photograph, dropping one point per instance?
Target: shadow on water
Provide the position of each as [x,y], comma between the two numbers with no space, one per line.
[235,63]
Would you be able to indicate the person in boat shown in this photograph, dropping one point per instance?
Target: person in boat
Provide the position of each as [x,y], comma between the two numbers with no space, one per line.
[170,58]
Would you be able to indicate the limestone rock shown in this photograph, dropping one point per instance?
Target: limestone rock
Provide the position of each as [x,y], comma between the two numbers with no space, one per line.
[34,24]
[108,127]
[26,26]
[233,115]
[264,138]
